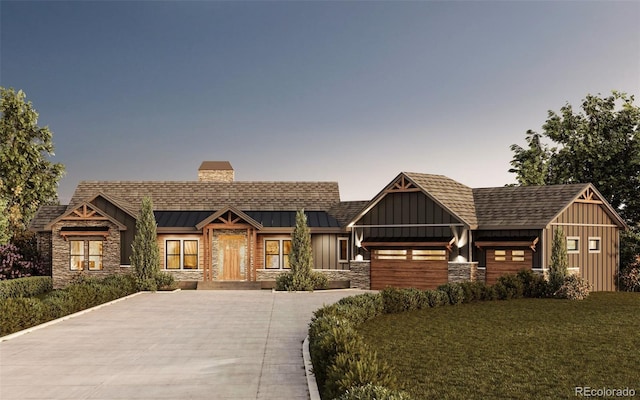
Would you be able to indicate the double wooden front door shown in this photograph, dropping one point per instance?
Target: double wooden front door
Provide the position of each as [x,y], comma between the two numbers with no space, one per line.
[232,257]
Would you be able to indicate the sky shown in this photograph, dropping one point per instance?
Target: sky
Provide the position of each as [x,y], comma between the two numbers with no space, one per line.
[352,92]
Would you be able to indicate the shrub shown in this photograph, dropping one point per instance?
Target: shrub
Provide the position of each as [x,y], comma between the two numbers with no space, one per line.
[25,287]
[166,281]
[13,263]
[573,288]
[17,313]
[509,287]
[357,366]
[436,298]
[454,292]
[319,280]
[489,293]
[283,281]
[472,291]
[533,285]
[630,279]
[370,391]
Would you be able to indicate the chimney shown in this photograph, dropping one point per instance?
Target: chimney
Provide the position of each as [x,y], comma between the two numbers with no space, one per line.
[215,171]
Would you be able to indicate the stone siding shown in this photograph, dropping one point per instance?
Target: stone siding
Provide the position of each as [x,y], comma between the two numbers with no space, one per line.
[361,274]
[481,274]
[463,272]
[186,275]
[218,175]
[331,274]
[61,269]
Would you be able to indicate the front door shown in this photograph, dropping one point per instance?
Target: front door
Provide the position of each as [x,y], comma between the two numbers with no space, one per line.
[232,258]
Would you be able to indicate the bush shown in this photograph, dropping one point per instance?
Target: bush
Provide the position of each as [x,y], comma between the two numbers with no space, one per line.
[370,391]
[509,287]
[357,366]
[25,287]
[472,291]
[533,285]
[166,281]
[24,312]
[316,280]
[630,279]
[436,298]
[573,288]
[489,293]
[454,292]
[13,263]
[319,280]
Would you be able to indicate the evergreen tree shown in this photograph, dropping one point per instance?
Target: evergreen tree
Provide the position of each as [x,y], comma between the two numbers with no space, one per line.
[27,178]
[145,257]
[559,261]
[300,258]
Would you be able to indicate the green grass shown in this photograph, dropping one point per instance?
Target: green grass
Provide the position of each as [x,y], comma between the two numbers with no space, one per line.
[519,349]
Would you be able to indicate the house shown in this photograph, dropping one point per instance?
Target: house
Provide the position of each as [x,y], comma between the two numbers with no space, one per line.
[425,230]
[420,231]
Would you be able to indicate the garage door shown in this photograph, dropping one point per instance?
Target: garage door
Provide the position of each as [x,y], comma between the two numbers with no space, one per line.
[408,268]
[507,261]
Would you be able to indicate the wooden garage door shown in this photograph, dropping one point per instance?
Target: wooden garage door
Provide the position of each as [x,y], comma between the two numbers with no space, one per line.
[507,261]
[408,268]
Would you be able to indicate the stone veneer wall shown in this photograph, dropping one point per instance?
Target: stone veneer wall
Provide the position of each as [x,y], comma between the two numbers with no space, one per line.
[463,272]
[361,274]
[61,270]
[186,275]
[215,175]
[43,243]
[481,274]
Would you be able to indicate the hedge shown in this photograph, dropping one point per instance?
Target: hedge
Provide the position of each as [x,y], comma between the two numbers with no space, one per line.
[346,368]
[18,313]
[25,287]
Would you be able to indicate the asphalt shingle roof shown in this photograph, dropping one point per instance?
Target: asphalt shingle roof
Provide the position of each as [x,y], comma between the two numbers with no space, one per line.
[195,195]
[45,215]
[345,211]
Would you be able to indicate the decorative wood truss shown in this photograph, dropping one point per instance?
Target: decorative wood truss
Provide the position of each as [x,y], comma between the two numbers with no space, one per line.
[85,212]
[402,184]
[508,243]
[589,196]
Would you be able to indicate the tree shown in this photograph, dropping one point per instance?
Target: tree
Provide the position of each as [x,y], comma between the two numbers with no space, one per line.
[301,276]
[145,256]
[27,178]
[600,145]
[559,260]
[5,236]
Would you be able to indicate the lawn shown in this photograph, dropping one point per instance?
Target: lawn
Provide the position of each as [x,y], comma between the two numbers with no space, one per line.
[524,349]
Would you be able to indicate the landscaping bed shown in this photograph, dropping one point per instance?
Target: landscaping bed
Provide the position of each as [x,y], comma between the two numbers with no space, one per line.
[524,348]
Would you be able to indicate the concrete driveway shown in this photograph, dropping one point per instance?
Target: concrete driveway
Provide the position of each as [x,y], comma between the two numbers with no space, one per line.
[183,345]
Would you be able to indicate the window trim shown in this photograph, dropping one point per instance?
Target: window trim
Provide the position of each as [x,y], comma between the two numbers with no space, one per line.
[281,254]
[599,249]
[340,240]
[182,253]
[577,239]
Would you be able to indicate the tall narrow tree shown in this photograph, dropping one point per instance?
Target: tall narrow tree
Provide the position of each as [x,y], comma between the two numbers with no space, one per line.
[27,178]
[145,256]
[301,258]
[559,261]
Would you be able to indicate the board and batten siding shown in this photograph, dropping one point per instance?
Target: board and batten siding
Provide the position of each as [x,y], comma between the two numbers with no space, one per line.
[126,237]
[407,208]
[585,220]
[325,252]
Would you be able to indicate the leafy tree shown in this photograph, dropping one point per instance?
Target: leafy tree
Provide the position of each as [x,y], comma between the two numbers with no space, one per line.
[301,276]
[27,178]
[145,257]
[600,145]
[559,260]
[5,236]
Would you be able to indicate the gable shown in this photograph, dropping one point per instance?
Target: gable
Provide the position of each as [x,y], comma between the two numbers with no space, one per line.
[86,212]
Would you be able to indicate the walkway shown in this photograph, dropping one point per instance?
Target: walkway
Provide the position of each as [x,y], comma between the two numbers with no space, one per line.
[183,345]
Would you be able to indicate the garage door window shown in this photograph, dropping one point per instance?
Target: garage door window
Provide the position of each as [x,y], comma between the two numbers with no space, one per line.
[391,254]
[517,255]
[429,255]
[503,255]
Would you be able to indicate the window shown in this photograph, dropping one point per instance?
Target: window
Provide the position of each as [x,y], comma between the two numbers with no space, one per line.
[500,255]
[594,245]
[573,245]
[517,255]
[343,250]
[276,253]
[86,252]
[429,255]
[181,254]
[391,254]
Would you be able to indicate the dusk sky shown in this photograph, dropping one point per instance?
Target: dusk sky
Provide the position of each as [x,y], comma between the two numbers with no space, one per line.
[353,92]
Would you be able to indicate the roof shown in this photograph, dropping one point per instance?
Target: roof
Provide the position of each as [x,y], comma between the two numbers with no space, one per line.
[196,196]
[268,219]
[215,165]
[452,195]
[345,211]
[45,215]
[523,206]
